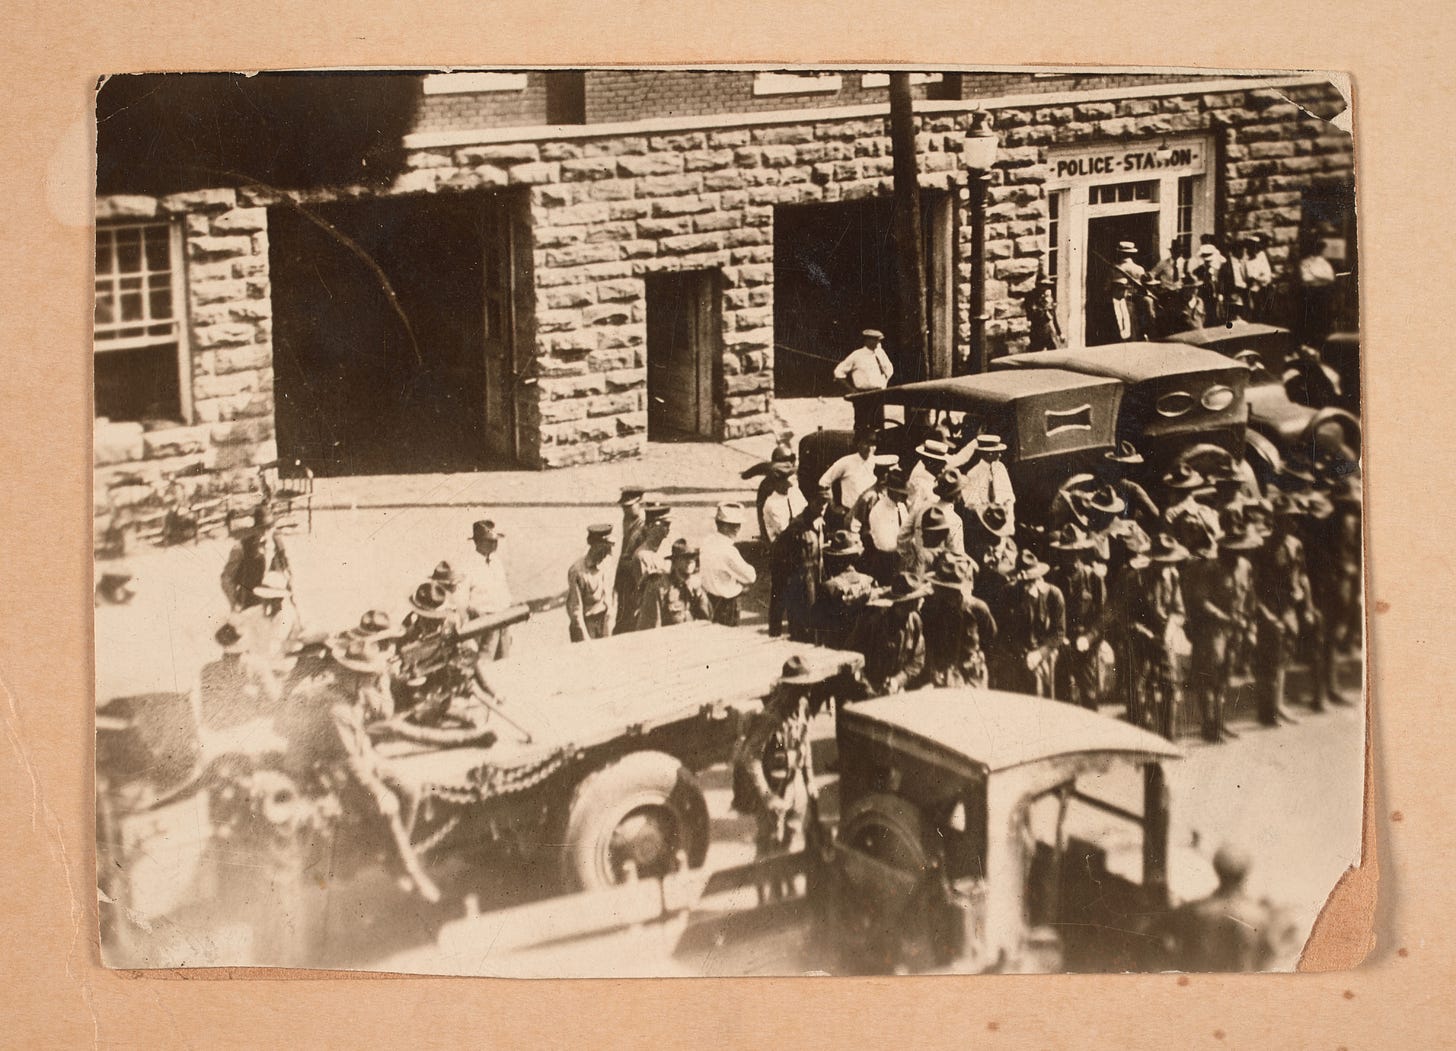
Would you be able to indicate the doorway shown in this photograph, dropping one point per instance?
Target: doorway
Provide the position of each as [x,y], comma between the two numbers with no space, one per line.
[682,355]
[381,342]
[1104,234]
[834,276]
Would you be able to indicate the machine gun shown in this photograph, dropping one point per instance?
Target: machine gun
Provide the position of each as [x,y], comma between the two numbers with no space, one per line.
[433,669]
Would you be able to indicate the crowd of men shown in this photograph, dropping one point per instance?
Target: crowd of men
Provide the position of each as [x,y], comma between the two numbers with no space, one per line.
[925,570]
[1196,288]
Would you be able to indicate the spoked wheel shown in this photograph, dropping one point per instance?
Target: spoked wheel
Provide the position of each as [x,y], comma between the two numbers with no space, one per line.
[635,815]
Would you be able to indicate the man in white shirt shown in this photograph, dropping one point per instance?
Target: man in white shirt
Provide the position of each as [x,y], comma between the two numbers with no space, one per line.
[987,482]
[722,569]
[485,588]
[865,368]
[783,503]
[1258,275]
[881,524]
[850,475]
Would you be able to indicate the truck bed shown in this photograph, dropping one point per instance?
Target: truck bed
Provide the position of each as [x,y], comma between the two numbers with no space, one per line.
[587,694]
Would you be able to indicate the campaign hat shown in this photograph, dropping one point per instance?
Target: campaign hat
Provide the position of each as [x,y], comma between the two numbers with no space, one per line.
[1165,549]
[431,600]
[1183,477]
[1029,567]
[843,544]
[375,624]
[797,670]
[1126,452]
[994,520]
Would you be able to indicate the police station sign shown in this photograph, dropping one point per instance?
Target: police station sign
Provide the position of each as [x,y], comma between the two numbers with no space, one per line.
[1117,161]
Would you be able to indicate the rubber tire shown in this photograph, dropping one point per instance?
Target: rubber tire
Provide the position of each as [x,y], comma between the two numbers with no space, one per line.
[604,797]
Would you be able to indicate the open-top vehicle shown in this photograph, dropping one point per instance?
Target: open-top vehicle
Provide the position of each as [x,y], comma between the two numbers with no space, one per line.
[589,770]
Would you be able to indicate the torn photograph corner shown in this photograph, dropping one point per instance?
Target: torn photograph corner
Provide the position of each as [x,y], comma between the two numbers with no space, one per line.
[672,522]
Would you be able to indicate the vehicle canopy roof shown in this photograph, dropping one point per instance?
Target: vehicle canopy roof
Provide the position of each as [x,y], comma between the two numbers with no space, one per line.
[992,730]
[1220,335]
[1039,413]
[1128,362]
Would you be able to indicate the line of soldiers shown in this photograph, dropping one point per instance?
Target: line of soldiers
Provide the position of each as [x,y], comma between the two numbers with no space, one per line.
[935,584]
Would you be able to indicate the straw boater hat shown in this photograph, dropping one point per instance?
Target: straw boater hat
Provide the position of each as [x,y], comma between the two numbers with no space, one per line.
[1029,567]
[1165,549]
[1183,477]
[1125,452]
[948,483]
[431,601]
[990,443]
[229,638]
[994,521]
[359,655]
[933,449]
[872,333]
[484,530]
[843,544]
[1127,248]
[729,514]
[375,625]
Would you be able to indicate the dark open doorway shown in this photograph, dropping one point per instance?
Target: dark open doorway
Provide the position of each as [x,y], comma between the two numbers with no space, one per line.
[379,334]
[1104,234]
[682,355]
[834,276]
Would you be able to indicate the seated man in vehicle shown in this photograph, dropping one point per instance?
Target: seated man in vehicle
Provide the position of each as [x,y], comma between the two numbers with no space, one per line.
[772,770]
[429,664]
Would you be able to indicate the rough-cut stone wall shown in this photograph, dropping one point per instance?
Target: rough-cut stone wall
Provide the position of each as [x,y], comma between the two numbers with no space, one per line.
[229,327]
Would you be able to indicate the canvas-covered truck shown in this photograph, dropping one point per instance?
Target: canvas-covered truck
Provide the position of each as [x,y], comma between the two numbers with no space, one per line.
[588,772]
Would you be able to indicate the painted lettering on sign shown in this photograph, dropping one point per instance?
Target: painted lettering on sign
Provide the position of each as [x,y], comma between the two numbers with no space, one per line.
[1112,163]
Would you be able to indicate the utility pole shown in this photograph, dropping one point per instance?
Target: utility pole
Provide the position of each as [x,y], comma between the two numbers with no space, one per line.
[909,237]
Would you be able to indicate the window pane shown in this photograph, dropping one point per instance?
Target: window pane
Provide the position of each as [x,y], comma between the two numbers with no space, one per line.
[131,306]
[130,284]
[161,302]
[129,251]
[103,252]
[158,248]
[138,384]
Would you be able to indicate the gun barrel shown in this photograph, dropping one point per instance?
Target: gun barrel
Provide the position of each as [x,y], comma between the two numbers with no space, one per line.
[494,621]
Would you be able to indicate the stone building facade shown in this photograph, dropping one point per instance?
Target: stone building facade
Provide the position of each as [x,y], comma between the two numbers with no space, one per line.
[606,222]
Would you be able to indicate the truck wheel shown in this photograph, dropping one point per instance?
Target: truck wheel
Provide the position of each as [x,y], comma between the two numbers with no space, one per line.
[638,812]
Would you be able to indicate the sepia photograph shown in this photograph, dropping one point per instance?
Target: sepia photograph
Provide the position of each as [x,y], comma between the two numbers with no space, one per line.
[672,522]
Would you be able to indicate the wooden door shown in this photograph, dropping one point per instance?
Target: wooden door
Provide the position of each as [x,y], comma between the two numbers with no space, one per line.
[682,355]
[501,245]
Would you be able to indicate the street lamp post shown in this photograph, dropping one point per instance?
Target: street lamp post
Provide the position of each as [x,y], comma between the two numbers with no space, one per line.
[980,155]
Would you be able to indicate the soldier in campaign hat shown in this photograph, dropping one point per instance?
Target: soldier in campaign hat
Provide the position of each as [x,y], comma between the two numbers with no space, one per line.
[891,635]
[589,589]
[773,777]
[958,626]
[1033,630]
[845,589]
[676,596]
[1085,592]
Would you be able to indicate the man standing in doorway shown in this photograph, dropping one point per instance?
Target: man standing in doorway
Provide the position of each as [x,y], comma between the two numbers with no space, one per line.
[724,571]
[865,368]
[1116,319]
[588,590]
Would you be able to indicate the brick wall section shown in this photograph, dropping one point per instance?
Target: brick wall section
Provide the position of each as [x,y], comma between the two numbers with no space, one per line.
[635,94]
[607,211]
[230,331]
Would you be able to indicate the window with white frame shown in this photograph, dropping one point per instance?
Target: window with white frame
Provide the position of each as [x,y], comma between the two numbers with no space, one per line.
[141,354]
[882,80]
[1054,240]
[1187,196]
